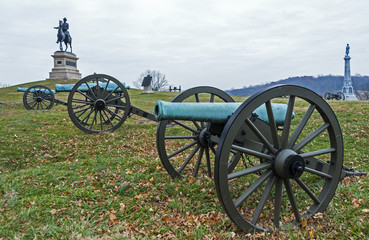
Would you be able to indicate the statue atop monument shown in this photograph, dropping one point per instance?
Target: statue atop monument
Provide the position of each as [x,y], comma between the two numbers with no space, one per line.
[63,35]
[347,49]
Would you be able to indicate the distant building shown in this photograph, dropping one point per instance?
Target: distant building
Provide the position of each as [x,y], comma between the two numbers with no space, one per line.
[347,88]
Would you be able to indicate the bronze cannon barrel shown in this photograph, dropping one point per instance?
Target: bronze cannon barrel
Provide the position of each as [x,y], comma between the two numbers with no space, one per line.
[212,112]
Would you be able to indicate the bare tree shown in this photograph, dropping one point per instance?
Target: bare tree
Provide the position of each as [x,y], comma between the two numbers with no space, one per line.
[159,80]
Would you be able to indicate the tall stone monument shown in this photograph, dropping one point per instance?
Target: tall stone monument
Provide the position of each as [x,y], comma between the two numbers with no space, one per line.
[65,63]
[347,88]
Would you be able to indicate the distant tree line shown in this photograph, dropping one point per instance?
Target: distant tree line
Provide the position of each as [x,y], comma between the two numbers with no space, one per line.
[320,84]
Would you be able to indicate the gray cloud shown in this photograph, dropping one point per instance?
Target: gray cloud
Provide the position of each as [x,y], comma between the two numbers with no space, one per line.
[219,43]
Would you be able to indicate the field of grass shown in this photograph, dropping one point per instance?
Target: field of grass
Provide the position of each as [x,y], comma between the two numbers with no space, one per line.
[57,182]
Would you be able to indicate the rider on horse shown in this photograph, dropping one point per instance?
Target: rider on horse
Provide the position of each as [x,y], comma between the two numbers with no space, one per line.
[65,27]
[63,34]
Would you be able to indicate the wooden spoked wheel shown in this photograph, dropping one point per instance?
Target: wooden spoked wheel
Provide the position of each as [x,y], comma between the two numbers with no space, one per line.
[38,98]
[98,103]
[185,147]
[294,172]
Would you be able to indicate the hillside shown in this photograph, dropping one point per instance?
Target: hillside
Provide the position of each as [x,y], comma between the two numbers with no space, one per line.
[320,85]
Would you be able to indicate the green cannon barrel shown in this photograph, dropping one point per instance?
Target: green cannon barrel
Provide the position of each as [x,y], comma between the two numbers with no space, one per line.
[212,112]
[84,88]
[33,90]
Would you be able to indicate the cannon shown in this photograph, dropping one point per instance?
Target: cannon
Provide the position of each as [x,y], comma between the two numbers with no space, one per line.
[278,160]
[39,97]
[95,104]
[337,96]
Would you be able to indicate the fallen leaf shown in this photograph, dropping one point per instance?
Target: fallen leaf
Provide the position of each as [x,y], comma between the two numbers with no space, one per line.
[366,211]
[112,217]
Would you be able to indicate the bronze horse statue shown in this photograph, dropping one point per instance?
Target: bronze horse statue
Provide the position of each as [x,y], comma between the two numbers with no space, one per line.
[62,37]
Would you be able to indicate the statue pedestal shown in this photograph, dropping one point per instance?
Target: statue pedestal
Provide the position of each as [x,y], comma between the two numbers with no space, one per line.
[65,66]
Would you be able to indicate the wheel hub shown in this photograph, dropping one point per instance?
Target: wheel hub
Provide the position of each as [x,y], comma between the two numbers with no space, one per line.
[288,164]
[100,104]
[39,99]
[204,137]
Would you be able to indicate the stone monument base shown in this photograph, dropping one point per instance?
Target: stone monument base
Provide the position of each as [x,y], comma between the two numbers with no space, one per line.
[147,89]
[65,66]
[350,97]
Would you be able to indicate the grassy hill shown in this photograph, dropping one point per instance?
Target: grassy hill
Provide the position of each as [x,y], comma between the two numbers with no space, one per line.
[57,182]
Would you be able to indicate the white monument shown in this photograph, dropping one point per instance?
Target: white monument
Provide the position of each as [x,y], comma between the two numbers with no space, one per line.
[347,88]
[146,83]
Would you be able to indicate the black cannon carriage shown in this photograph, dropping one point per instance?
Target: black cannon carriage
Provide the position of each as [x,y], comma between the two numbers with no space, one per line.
[96,103]
[276,158]
[269,174]
[337,96]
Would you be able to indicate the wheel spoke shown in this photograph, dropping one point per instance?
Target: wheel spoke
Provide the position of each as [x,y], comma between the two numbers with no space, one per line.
[252,152]
[198,162]
[101,121]
[196,124]
[87,117]
[111,123]
[277,202]
[321,174]
[264,198]
[301,126]
[180,137]
[255,185]
[291,197]
[85,95]
[43,102]
[185,126]
[307,190]
[116,106]
[107,96]
[212,97]
[261,137]
[93,120]
[90,90]
[272,124]
[197,97]
[287,121]
[113,113]
[249,170]
[233,162]
[81,106]
[317,152]
[106,87]
[82,111]
[310,137]
[113,99]
[182,149]
[208,162]
[82,101]
[188,159]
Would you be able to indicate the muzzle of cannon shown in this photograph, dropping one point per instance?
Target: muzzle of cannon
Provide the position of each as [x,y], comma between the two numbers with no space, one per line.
[213,112]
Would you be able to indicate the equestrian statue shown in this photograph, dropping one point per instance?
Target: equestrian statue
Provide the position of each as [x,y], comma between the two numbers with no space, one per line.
[63,35]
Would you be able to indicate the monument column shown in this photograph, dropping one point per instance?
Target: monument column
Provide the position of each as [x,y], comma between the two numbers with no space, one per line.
[347,88]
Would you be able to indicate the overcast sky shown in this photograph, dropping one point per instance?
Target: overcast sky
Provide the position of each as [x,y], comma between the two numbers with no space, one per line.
[225,44]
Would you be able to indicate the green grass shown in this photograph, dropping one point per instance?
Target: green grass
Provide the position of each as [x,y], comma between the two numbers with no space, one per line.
[58,182]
